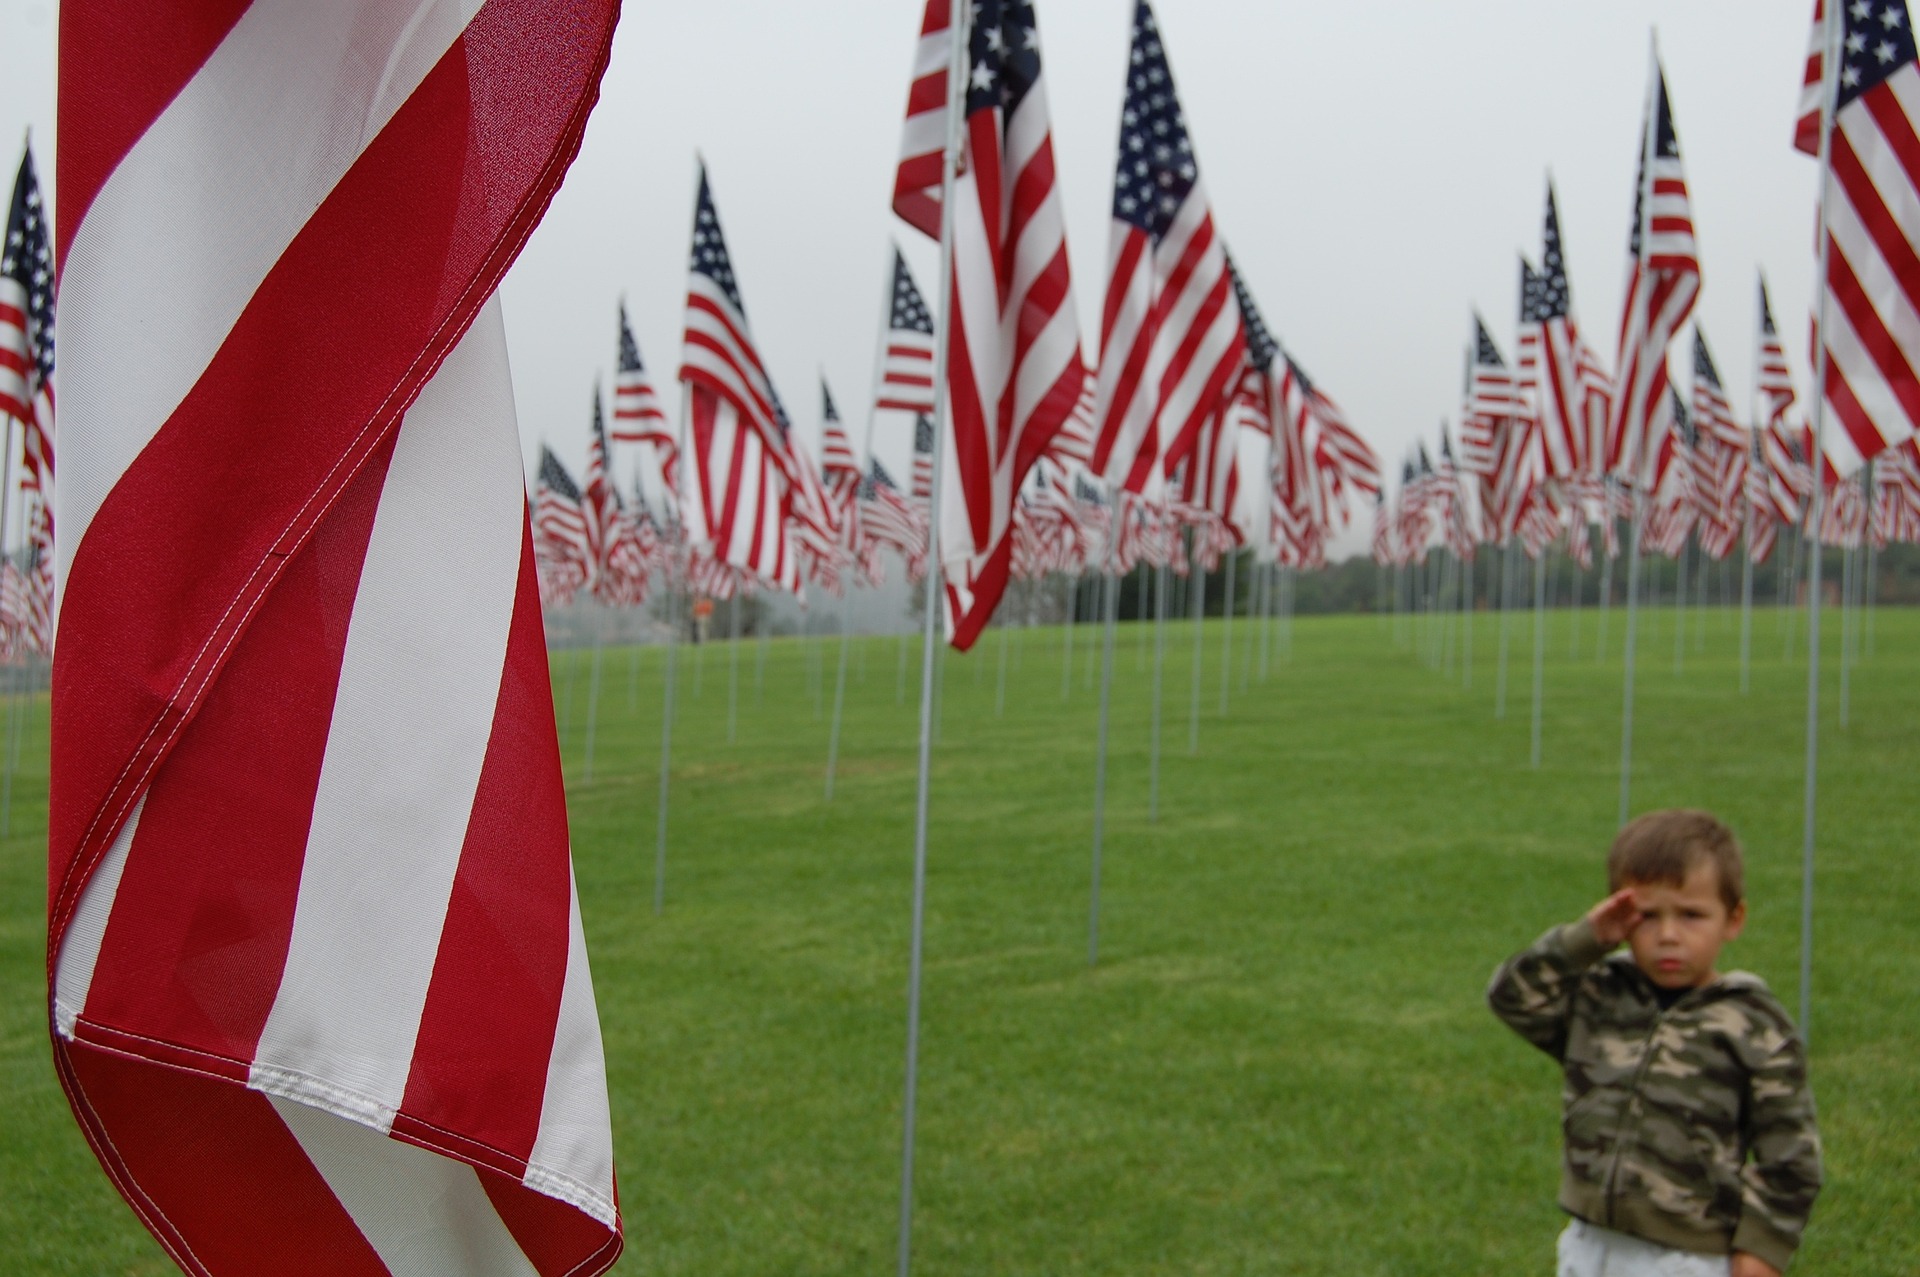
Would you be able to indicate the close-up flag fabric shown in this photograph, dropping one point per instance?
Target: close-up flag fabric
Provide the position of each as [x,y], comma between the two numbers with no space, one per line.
[318,984]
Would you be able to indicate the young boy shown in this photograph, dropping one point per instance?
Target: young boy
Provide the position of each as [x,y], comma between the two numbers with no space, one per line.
[1690,1141]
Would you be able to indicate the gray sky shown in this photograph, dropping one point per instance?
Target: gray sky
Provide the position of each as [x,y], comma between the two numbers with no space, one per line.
[1375,169]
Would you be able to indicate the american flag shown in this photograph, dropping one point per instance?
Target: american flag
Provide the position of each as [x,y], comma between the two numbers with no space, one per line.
[1171,340]
[1872,213]
[1254,395]
[26,325]
[1673,502]
[923,141]
[1073,445]
[562,539]
[1784,446]
[1547,326]
[840,468]
[736,498]
[1663,282]
[890,519]
[1493,405]
[637,414]
[1721,448]
[906,352]
[1455,517]
[1013,341]
[922,458]
[319,989]
[717,352]
[621,558]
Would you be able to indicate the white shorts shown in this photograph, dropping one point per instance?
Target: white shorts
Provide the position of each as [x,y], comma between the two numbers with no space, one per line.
[1588,1251]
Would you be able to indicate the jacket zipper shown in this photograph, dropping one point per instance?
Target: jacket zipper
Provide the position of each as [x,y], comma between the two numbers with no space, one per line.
[1633,1104]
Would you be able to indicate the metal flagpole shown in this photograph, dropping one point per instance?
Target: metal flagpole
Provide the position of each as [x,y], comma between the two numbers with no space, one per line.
[1226,635]
[1647,147]
[1746,598]
[733,666]
[593,690]
[1829,64]
[685,558]
[1606,591]
[1197,583]
[1000,693]
[956,78]
[1257,582]
[1140,648]
[13,688]
[1848,559]
[1161,575]
[633,678]
[566,698]
[839,689]
[1573,603]
[1468,617]
[1633,632]
[760,661]
[1269,573]
[1680,604]
[1110,614]
[1506,614]
[1539,646]
[1072,593]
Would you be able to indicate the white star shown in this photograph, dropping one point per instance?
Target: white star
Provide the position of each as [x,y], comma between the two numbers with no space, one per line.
[1890,17]
[996,40]
[1861,10]
[1850,76]
[982,77]
[1884,52]
[1856,43]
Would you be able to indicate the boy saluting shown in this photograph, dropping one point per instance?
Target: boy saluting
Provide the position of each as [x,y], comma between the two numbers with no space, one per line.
[1690,1140]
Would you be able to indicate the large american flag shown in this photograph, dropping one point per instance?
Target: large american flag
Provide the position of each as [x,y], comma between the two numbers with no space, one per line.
[906,347]
[1171,340]
[320,997]
[735,498]
[638,416]
[563,536]
[1547,326]
[1013,340]
[26,325]
[1872,206]
[1663,282]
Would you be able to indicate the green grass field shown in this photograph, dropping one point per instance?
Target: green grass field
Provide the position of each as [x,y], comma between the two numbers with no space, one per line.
[1281,1064]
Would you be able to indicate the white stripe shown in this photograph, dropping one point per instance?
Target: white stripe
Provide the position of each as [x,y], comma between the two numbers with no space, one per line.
[203,206]
[572,1157]
[80,946]
[423,1214]
[418,687]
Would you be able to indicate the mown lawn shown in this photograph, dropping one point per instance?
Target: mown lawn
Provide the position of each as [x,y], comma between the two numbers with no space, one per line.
[1281,1064]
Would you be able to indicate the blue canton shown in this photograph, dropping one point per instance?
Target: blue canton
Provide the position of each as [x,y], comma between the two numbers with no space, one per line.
[1156,168]
[1878,41]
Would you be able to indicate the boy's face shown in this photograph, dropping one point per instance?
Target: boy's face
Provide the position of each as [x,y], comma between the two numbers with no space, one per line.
[1676,939]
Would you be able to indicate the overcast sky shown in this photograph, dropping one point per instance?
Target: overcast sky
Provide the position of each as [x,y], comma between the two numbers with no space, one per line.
[1376,168]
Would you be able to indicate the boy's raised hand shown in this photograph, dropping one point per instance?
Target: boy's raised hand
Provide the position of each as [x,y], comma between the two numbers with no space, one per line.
[1614,917]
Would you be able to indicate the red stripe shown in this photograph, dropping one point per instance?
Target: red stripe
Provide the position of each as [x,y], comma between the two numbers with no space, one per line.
[969,427]
[197,939]
[1121,281]
[1888,236]
[928,93]
[475,1070]
[556,1239]
[132,60]
[210,1169]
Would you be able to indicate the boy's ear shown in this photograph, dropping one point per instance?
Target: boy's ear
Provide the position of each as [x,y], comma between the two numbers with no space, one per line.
[1736,920]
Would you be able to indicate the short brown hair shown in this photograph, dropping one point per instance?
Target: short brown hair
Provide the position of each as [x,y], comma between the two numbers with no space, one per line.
[1665,846]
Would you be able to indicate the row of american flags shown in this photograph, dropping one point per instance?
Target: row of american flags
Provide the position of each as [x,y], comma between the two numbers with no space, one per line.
[318,986]
[1194,432]
[1554,448]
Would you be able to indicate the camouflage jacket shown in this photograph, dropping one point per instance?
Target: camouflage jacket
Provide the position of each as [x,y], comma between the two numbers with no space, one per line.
[1691,1127]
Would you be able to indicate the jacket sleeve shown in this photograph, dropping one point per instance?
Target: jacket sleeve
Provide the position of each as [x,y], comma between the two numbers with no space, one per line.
[1533,990]
[1782,1174]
